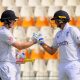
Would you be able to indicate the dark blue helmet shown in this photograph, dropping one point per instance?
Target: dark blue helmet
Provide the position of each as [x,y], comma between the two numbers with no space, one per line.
[8,15]
[61,16]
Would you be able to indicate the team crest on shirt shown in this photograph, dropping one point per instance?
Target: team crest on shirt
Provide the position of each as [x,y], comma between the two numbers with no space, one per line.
[57,36]
[78,38]
[67,33]
[10,39]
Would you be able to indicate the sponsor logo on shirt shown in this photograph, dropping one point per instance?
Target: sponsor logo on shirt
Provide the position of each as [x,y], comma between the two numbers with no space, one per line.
[63,43]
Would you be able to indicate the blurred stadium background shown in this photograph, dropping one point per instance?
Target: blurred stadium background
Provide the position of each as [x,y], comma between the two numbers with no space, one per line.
[34,16]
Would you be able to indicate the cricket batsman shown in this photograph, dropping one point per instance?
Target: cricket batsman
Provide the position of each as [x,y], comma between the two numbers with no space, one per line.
[67,40]
[9,70]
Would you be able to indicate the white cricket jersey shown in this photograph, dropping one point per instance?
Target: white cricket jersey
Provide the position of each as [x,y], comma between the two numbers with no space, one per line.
[67,41]
[6,40]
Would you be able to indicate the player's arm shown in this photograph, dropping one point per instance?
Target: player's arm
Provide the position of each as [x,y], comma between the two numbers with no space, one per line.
[23,45]
[10,40]
[75,32]
[50,50]
[40,40]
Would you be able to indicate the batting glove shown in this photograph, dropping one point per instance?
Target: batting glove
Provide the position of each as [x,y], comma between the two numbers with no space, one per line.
[39,38]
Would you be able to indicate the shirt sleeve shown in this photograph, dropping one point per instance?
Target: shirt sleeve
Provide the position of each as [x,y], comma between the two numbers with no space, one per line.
[54,45]
[76,35]
[8,38]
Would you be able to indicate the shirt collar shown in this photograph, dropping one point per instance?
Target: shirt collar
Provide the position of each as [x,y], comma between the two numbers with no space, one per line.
[3,27]
[66,26]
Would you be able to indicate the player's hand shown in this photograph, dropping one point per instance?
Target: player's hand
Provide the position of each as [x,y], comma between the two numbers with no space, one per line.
[39,38]
[34,40]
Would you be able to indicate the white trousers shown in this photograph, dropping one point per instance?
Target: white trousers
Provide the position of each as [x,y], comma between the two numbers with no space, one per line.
[9,71]
[69,71]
